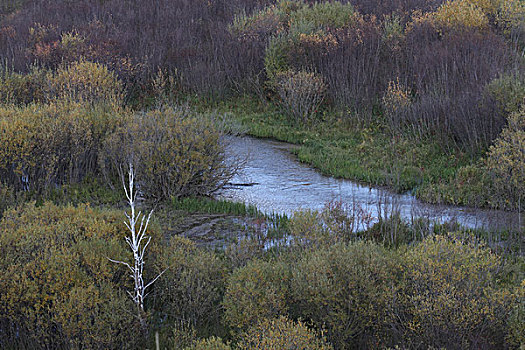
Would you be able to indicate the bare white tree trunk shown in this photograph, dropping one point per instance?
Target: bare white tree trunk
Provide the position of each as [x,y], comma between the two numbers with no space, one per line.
[138,242]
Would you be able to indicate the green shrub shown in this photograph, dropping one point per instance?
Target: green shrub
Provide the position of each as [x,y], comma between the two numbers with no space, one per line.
[276,57]
[8,198]
[506,163]
[510,20]
[456,14]
[517,319]
[175,153]
[58,287]
[335,223]
[301,94]
[391,231]
[193,286]
[450,297]
[281,334]
[508,91]
[347,289]
[295,21]
[212,343]
[256,291]
[85,82]
[267,21]
[47,145]
[19,89]
[323,15]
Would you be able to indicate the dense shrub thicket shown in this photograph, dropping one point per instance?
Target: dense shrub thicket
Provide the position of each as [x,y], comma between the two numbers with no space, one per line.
[505,162]
[44,145]
[427,70]
[449,71]
[76,127]
[176,153]
[61,291]
[58,287]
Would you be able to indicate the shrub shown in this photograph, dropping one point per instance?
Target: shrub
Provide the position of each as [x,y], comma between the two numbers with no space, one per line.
[300,22]
[86,82]
[276,57]
[58,287]
[450,296]
[8,198]
[391,231]
[350,60]
[301,94]
[281,334]
[517,319]
[212,343]
[19,88]
[457,14]
[446,73]
[323,15]
[506,162]
[347,289]
[47,145]
[510,19]
[192,288]
[175,153]
[267,21]
[508,91]
[337,222]
[254,292]
[396,98]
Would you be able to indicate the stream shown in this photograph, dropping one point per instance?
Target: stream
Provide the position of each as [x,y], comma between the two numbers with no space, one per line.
[274,181]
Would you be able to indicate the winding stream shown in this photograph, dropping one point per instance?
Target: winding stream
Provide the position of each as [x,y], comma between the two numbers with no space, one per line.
[275,182]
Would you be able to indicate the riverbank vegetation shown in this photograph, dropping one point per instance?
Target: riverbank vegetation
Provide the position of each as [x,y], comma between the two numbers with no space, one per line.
[421,96]
[327,287]
[405,95]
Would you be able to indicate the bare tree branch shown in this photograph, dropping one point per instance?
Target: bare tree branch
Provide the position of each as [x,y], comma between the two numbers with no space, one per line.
[135,241]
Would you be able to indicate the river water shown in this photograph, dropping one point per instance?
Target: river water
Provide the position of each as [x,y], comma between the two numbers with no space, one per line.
[274,181]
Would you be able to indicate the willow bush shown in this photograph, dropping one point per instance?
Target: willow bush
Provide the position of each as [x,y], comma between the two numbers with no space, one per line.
[176,153]
[85,82]
[301,94]
[59,290]
[22,88]
[258,290]
[281,333]
[451,297]
[212,343]
[506,163]
[346,288]
[44,145]
[192,288]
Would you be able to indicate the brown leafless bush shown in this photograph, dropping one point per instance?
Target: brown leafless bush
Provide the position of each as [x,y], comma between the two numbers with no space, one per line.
[301,94]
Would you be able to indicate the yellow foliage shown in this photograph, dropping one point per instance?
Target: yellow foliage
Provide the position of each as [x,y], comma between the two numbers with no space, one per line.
[489,7]
[50,144]
[455,14]
[18,88]
[450,297]
[58,287]
[506,162]
[281,333]
[212,343]
[192,287]
[85,82]
[176,153]
[256,291]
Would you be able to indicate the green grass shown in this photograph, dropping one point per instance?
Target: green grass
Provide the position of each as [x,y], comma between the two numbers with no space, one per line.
[214,206]
[370,155]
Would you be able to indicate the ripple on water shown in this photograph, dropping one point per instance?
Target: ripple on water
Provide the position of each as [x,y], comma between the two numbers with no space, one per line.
[281,184]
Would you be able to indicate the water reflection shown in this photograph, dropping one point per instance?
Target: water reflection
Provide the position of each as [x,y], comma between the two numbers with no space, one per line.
[276,182]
